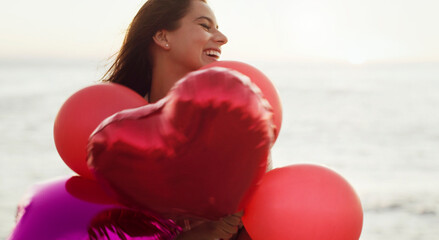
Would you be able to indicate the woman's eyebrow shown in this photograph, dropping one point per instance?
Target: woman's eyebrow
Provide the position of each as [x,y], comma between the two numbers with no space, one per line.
[208,19]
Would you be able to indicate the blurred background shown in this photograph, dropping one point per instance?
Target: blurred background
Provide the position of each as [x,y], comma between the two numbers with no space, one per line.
[358,82]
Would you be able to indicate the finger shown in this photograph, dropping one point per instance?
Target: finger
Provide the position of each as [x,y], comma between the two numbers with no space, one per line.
[232,220]
[222,234]
[239,214]
[232,229]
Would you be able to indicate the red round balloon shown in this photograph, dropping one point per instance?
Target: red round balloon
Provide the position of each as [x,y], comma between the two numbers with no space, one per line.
[304,202]
[267,88]
[199,152]
[81,113]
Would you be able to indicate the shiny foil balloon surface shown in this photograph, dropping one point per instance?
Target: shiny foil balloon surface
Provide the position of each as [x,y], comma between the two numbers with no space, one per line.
[76,208]
[199,152]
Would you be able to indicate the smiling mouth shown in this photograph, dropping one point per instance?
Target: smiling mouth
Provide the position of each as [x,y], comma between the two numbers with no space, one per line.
[212,53]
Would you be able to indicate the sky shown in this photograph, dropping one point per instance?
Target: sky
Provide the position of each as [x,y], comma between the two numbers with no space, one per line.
[354,31]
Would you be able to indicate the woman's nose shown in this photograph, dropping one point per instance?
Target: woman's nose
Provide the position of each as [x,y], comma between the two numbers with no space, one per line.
[221,38]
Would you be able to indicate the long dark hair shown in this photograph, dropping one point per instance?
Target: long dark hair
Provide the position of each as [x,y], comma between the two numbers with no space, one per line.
[133,64]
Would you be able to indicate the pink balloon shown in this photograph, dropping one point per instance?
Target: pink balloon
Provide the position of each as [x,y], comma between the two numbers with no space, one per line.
[81,114]
[77,209]
[199,152]
[267,88]
[304,202]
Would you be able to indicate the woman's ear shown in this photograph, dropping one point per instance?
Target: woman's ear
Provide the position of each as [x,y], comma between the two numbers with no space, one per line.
[161,39]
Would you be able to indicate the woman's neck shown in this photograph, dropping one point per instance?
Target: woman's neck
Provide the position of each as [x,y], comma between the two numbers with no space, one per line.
[164,76]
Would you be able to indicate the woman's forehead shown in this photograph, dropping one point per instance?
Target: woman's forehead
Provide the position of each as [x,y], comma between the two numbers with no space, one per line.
[199,9]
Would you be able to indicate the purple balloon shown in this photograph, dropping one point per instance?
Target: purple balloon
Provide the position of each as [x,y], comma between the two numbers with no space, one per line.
[76,208]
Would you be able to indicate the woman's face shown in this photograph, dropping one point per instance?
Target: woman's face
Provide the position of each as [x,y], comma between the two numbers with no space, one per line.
[197,41]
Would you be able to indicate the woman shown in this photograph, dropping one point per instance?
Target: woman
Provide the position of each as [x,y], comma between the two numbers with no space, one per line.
[166,40]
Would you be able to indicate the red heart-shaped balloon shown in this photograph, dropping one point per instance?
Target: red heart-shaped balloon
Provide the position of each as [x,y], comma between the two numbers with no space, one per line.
[199,152]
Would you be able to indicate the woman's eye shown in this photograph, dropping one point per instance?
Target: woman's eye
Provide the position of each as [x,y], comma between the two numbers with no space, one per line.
[205,26]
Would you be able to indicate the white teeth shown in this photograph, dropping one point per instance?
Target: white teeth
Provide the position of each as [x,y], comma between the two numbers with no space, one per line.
[212,53]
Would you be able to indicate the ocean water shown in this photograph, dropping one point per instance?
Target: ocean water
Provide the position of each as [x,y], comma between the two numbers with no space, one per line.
[377,125]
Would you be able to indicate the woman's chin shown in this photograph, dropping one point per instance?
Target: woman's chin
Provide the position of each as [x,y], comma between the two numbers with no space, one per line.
[210,59]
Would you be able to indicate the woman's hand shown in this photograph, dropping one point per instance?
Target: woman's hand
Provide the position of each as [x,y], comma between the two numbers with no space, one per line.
[224,228]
